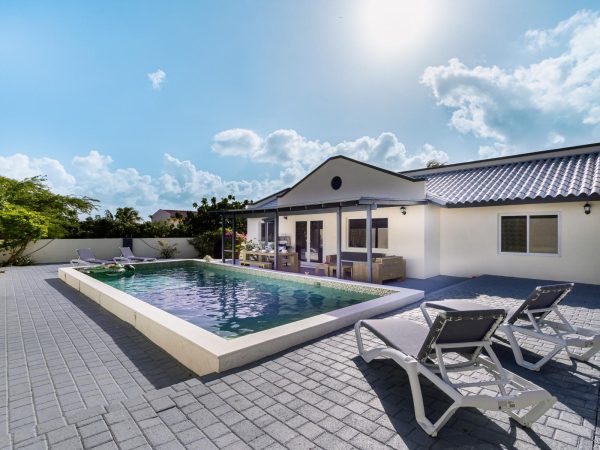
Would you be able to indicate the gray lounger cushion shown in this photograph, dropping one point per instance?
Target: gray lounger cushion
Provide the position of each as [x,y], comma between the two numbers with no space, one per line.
[448,328]
[401,334]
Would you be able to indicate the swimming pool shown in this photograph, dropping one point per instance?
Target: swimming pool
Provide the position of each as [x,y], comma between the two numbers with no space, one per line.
[297,308]
[230,303]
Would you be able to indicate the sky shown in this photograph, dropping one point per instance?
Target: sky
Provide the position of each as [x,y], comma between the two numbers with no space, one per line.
[155,104]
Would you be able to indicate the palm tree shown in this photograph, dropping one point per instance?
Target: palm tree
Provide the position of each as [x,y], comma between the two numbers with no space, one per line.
[127,219]
[127,215]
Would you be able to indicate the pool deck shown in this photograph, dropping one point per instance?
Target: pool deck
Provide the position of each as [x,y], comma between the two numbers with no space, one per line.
[74,376]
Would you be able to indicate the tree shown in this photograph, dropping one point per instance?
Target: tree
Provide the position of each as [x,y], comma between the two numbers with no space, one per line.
[29,211]
[205,220]
[433,163]
[127,220]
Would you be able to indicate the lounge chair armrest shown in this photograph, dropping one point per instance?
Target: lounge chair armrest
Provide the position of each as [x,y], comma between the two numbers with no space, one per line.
[119,259]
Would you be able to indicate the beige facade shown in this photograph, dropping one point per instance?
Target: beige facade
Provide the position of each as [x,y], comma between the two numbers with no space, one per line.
[465,241]
[438,240]
[469,243]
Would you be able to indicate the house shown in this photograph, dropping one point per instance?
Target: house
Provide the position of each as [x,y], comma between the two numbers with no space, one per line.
[170,216]
[534,215]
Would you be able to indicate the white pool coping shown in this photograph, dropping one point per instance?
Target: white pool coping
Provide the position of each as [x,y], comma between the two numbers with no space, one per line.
[204,352]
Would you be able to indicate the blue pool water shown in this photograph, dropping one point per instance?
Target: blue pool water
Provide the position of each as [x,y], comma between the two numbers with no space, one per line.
[227,302]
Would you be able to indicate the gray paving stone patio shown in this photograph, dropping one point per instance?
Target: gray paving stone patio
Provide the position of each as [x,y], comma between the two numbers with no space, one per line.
[74,376]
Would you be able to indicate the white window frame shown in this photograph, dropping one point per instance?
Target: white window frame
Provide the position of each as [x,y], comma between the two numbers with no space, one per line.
[529,215]
[363,249]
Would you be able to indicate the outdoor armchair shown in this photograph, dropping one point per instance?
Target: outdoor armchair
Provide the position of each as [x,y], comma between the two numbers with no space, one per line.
[454,343]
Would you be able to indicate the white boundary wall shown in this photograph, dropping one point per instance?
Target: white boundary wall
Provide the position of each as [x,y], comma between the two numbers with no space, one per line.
[63,250]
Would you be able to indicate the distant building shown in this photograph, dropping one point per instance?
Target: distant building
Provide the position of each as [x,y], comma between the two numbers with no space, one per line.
[170,216]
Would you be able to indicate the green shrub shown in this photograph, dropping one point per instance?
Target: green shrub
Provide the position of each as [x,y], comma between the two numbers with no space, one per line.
[207,243]
[23,261]
[167,251]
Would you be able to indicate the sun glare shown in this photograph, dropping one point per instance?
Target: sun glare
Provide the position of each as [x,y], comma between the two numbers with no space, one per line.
[393,27]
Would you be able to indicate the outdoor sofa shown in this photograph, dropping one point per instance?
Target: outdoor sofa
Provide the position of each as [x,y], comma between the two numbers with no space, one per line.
[384,267]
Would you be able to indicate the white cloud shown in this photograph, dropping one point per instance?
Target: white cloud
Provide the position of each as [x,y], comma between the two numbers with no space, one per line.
[556,139]
[157,78]
[22,166]
[540,39]
[296,155]
[181,183]
[517,110]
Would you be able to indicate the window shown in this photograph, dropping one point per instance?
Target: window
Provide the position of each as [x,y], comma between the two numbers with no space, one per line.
[529,234]
[357,233]
[267,231]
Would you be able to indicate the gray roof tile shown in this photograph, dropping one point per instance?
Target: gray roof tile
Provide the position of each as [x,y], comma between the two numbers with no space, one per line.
[543,179]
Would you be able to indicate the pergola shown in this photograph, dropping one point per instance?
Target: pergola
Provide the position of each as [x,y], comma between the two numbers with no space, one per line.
[367,204]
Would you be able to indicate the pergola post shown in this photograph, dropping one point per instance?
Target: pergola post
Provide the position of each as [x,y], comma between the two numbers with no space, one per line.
[233,241]
[369,245]
[338,260]
[276,241]
[223,238]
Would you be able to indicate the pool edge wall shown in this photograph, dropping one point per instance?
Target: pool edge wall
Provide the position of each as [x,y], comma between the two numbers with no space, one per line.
[204,352]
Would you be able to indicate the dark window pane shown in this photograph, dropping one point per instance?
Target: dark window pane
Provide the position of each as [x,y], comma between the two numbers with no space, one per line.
[357,233]
[380,233]
[514,234]
[543,234]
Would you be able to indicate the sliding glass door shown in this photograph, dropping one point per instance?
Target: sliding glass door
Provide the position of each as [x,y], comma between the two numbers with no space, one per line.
[316,240]
[309,240]
[301,239]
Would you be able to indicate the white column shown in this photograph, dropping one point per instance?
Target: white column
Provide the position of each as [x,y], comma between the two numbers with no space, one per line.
[339,243]
[276,241]
[369,245]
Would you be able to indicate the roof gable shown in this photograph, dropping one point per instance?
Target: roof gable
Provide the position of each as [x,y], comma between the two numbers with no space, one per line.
[358,180]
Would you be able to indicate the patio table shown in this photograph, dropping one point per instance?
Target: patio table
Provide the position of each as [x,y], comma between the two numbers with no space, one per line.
[287,261]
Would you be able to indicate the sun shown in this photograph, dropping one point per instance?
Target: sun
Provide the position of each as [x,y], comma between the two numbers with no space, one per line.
[391,28]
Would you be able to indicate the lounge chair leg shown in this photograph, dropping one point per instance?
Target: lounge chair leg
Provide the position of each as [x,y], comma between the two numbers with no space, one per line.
[417,395]
[518,354]
[368,355]
[534,413]
[595,348]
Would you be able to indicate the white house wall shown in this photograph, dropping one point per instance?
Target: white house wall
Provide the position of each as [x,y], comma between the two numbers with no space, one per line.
[431,258]
[406,235]
[357,181]
[469,244]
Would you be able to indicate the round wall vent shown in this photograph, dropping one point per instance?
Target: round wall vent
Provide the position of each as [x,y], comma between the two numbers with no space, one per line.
[336,183]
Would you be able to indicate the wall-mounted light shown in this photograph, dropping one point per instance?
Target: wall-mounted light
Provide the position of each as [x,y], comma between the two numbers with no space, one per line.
[285,217]
[403,210]
[587,208]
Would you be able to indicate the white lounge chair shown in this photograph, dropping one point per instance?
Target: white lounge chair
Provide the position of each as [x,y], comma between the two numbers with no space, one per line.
[87,258]
[530,319]
[128,255]
[424,351]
